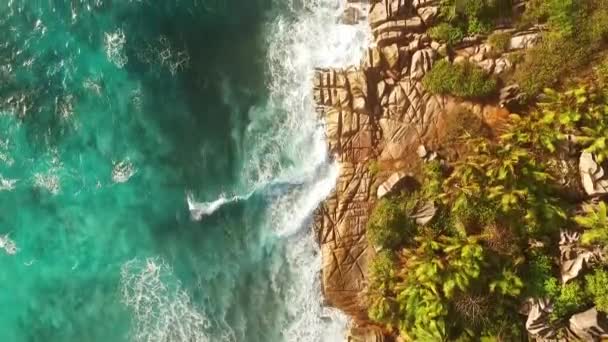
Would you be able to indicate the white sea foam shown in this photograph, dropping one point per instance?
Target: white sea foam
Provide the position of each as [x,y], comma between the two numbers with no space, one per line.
[162,310]
[115,47]
[8,245]
[198,210]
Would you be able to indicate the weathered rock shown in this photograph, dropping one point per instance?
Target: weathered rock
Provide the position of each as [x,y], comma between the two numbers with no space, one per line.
[366,334]
[357,86]
[524,40]
[421,151]
[428,14]
[573,256]
[382,112]
[425,213]
[487,65]
[391,55]
[422,61]
[538,323]
[388,9]
[354,13]
[393,183]
[372,59]
[589,325]
[592,175]
[510,95]
[502,65]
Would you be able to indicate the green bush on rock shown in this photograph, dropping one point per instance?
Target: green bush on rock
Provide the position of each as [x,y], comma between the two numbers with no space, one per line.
[500,42]
[577,29]
[597,286]
[567,298]
[447,33]
[462,80]
[382,280]
[390,223]
[595,222]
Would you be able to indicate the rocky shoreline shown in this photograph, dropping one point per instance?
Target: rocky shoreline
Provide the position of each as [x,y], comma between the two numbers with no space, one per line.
[381,124]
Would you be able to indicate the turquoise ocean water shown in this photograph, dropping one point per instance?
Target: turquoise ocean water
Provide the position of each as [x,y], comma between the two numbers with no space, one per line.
[159,163]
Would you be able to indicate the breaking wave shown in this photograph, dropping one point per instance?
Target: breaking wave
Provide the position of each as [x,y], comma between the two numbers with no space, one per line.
[198,210]
[162,310]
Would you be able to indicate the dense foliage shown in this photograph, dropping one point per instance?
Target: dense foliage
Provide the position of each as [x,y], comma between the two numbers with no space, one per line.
[576,29]
[463,80]
[460,18]
[464,274]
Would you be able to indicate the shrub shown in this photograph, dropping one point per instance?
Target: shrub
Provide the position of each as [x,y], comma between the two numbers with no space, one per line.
[500,42]
[577,30]
[595,221]
[545,63]
[538,273]
[373,167]
[567,298]
[476,16]
[389,224]
[462,80]
[435,272]
[447,33]
[597,283]
[601,72]
[382,281]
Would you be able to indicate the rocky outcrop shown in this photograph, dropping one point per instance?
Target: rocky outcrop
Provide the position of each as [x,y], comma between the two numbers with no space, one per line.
[365,335]
[589,325]
[593,177]
[379,111]
[574,257]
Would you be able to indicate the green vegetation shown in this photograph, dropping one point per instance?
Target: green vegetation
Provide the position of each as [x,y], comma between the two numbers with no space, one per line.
[595,221]
[374,168]
[567,298]
[463,275]
[577,29]
[446,33]
[597,283]
[500,42]
[390,223]
[462,80]
[461,18]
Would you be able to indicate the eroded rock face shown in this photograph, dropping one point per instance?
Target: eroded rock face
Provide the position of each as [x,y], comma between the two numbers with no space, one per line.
[593,177]
[574,257]
[538,323]
[589,325]
[367,334]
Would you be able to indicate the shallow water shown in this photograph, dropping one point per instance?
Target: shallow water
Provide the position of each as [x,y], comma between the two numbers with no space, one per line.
[159,163]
